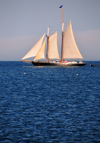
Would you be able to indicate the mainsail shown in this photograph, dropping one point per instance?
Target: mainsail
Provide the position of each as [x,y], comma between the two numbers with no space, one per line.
[70,49]
[53,49]
[34,50]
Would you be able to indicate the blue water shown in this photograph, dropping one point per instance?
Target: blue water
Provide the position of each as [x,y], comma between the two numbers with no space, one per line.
[49,104]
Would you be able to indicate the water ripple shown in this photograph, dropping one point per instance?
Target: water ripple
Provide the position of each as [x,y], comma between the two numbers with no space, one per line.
[49,104]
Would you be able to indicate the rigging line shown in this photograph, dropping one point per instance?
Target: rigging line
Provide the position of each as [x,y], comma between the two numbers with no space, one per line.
[55,25]
[51,25]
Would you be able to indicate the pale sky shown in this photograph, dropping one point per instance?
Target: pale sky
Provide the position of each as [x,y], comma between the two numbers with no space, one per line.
[23,22]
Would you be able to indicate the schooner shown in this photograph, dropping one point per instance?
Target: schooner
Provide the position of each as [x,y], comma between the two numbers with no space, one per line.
[69,49]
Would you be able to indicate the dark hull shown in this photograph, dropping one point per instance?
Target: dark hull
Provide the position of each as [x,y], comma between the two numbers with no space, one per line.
[95,65]
[57,64]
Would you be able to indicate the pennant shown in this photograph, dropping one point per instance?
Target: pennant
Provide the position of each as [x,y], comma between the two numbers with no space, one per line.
[61,6]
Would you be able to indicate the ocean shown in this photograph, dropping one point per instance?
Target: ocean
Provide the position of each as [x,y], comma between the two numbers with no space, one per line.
[49,104]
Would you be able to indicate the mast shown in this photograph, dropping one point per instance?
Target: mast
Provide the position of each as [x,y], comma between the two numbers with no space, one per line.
[62,35]
[47,59]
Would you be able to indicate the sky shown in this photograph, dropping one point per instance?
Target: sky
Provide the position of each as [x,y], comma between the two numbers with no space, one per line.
[23,22]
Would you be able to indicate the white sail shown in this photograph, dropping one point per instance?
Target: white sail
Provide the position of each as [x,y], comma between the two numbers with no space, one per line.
[41,52]
[70,49]
[53,49]
[34,49]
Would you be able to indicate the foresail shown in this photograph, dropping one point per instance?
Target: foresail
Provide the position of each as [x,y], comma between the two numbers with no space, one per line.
[33,52]
[41,52]
[53,49]
[70,49]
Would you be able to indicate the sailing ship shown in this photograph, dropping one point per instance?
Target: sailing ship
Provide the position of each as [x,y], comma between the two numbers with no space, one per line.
[69,49]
